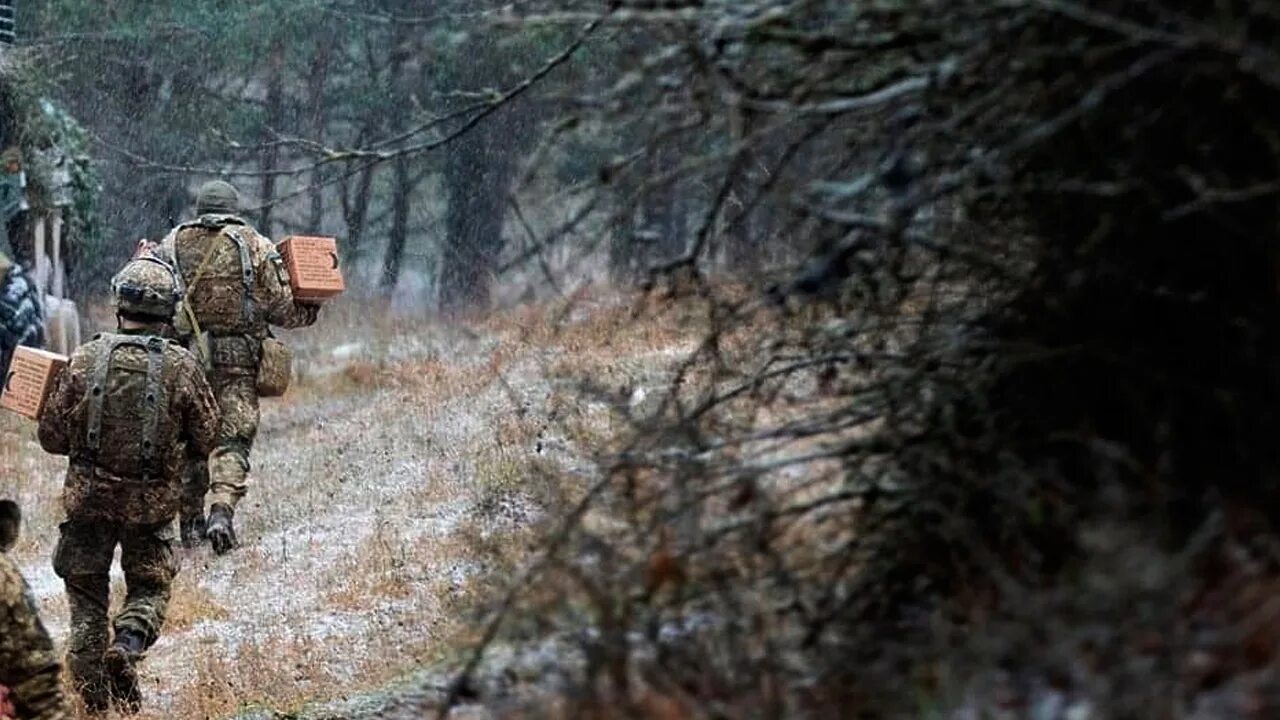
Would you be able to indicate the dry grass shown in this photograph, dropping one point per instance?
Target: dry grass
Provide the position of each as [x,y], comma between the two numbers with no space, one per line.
[278,671]
[322,602]
[648,545]
[493,417]
[192,604]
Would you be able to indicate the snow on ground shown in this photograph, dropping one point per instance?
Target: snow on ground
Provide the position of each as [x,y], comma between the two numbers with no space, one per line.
[345,531]
[378,484]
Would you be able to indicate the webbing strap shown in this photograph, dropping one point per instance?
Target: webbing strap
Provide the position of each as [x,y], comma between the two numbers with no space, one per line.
[155,399]
[246,274]
[97,392]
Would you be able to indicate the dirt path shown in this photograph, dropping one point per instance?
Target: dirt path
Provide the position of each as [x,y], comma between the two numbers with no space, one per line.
[373,484]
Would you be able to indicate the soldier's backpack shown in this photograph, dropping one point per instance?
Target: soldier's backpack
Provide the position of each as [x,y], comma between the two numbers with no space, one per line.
[214,260]
[127,430]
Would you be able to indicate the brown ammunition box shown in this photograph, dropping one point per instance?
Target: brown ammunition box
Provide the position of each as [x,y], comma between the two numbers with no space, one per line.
[30,379]
[313,267]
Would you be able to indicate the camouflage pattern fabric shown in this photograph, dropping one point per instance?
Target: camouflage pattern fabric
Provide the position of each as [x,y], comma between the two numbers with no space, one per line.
[131,472]
[225,476]
[21,316]
[129,409]
[28,666]
[83,561]
[238,321]
[146,286]
[239,259]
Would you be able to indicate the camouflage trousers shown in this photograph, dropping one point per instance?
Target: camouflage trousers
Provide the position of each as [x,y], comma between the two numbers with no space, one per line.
[83,561]
[225,476]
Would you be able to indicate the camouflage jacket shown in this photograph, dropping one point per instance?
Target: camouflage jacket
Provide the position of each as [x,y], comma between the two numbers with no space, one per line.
[28,666]
[129,410]
[242,287]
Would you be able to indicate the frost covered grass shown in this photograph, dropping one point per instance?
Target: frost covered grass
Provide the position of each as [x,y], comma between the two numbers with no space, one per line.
[399,486]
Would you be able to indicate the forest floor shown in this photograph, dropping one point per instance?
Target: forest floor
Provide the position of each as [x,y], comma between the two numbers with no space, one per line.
[399,483]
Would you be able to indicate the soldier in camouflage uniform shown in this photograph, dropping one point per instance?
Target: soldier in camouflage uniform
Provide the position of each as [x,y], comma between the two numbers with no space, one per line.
[28,667]
[235,287]
[130,409]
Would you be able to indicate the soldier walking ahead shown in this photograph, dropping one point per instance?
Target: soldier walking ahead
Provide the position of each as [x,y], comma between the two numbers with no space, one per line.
[130,409]
[27,663]
[235,286]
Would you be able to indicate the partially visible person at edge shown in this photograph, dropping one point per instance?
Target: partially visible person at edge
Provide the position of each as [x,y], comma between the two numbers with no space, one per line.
[29,670]
[21,313]
[130,410]
[235,286]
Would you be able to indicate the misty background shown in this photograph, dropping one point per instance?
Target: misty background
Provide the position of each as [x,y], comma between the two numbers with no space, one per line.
[452,147]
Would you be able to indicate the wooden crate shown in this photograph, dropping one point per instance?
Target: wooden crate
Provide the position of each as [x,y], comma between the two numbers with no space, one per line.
[30,378]
[313,267]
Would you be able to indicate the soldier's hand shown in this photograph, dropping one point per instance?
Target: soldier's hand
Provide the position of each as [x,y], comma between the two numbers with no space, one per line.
[222,538]
[220,530]
[145,247]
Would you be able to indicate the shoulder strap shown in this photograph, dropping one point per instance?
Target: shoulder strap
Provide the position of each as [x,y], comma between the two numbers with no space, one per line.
[168,247]
[97,390]
[246,272]
[156,399]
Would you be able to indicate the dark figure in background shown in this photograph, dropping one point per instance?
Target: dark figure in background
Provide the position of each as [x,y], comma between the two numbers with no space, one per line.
[130,410]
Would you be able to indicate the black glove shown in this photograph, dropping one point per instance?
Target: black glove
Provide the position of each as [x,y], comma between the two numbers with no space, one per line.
[221,532]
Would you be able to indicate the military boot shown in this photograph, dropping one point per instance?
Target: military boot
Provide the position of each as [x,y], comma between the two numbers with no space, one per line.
[192,529]
[221,532]
[121,661]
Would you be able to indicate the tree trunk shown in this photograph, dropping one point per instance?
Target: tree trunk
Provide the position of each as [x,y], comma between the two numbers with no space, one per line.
[394,258]
[651,231]
[355,212]
[749,243]
[664,216]
[479,170]
[275,116]
[623,244]
[318,75]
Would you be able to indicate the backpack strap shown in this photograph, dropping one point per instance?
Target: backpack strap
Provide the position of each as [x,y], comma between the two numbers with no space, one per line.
[156,400]
[98,391]
[246,273]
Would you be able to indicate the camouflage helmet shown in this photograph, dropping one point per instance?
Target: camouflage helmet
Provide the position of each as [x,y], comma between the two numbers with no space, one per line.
[146,286]
[217,196]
